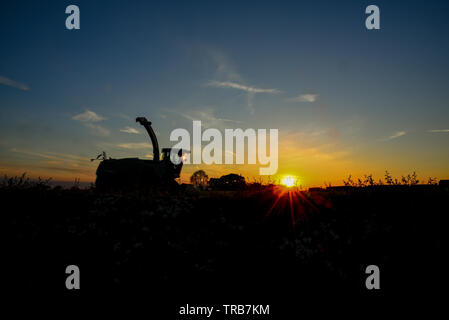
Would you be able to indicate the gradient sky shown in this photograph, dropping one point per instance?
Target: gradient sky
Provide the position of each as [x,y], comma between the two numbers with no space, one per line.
[345,100]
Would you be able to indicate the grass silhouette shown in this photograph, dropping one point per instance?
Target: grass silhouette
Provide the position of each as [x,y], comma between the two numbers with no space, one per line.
[222,241]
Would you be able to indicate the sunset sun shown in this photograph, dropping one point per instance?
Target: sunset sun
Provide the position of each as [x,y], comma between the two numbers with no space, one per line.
[289,181]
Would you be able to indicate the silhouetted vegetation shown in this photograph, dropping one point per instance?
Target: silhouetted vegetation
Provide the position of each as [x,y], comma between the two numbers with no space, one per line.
[229,241]
[368,180]
[24,182]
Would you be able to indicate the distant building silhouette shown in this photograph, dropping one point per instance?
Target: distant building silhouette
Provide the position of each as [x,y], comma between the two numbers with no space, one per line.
[228,182]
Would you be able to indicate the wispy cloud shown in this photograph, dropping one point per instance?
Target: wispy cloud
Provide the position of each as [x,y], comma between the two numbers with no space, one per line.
[138,145]
[234,85]
[226,76]
[208,118]
[308,97]
[68,156]
[124,116]
[251,91]
[15,84]
[129,130]
[97,129]
[36,154]
[51,155]
[309,146]
[88,116]
[439,130]
[225,69]
[54,161]
[396,135]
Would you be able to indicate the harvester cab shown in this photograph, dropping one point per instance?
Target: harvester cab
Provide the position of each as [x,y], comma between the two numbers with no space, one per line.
[135,173]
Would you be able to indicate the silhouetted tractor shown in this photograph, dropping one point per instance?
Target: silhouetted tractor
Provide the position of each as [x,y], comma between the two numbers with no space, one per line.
[135,173]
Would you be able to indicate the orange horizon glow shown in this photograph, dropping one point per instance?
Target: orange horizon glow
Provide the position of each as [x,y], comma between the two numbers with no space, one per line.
[87,175]
[315,162]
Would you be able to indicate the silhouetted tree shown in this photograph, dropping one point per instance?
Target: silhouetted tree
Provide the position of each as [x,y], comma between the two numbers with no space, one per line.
[199,178]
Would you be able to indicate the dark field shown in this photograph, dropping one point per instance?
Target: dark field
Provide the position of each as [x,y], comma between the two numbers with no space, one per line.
[216,246]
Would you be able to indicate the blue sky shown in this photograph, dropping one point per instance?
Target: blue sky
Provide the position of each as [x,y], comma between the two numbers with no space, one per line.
[345,99]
